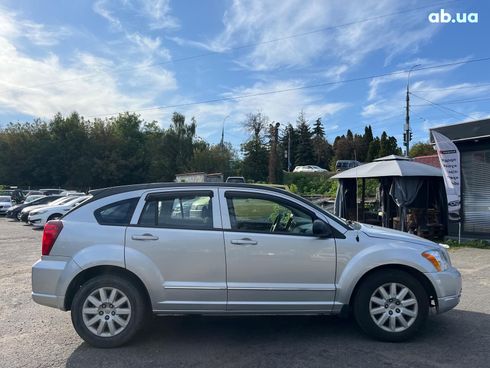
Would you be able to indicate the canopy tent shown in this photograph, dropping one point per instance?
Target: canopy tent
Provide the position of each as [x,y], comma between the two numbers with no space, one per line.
[389,166]
[401,180]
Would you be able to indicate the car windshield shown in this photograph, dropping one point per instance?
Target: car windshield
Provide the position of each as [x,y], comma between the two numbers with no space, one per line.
[31,198]
[4,199]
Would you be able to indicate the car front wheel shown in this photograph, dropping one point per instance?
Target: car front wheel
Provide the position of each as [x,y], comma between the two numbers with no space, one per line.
[107,311]
[391,305]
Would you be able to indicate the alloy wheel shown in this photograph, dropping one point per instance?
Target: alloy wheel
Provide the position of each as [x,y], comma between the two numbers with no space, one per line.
[393,307]
[106,312]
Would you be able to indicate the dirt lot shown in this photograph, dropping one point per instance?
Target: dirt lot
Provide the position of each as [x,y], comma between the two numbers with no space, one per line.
[36,336]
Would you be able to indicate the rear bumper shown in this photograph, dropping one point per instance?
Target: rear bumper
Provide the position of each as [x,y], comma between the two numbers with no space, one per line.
[448,286]
[50,278]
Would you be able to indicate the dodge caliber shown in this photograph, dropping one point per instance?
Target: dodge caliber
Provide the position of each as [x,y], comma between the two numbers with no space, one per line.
[175,249]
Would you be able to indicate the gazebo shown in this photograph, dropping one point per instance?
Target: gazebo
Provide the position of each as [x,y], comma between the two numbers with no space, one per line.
[404,184]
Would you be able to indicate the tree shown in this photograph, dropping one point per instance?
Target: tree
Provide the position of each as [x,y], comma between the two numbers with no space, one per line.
[322,150]
[422,149]
[388,146]
[255,153]
[304,149]
[373,150]
[213,158]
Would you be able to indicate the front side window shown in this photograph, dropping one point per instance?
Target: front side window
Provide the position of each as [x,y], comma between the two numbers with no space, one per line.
[178,211]
[256,214]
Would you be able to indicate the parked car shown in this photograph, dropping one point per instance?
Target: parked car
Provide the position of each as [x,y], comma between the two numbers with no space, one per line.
[5,204]
[72,193]
[51,191]
[15,211]
[342,165]
[133,250]
[309,169]
[53,200]
[39,216]
[235,179]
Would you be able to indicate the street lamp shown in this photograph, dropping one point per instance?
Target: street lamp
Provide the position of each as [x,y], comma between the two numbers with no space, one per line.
[407,135]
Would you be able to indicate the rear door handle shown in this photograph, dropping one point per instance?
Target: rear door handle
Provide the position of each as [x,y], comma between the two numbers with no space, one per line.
[244,241]
[144,237]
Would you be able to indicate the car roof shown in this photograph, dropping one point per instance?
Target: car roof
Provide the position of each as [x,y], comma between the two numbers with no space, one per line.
[106,192]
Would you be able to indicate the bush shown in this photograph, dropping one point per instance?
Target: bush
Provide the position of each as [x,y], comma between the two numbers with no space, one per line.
[311,183]
[482,244]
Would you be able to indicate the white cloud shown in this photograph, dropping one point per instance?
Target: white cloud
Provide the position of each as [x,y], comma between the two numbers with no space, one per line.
[256,22]
[156,12]
[282,107]
[35,33]
[42,86]
[101,7]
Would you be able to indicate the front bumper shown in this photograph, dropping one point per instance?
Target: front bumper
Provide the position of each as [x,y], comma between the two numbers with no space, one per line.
[36,221]
[448,287]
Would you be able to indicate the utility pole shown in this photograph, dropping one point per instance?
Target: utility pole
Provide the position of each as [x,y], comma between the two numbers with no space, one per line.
[407,132]
[290,130]
[274,134]
[222,143]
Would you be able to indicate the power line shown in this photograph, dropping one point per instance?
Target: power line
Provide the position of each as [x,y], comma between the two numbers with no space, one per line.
[238,97]
[241,47]
[443,107]
[458,101]
[452,88]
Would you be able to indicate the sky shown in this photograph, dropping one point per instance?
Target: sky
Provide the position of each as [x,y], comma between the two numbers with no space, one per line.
[219,60]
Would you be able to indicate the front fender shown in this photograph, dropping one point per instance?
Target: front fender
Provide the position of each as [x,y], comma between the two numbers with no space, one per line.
[373,257]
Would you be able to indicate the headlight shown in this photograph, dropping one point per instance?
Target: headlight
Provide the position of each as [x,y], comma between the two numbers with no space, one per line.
[437,259]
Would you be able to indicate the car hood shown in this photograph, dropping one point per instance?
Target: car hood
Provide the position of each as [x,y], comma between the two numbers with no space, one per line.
[32,208]
[5,204]
[386,233]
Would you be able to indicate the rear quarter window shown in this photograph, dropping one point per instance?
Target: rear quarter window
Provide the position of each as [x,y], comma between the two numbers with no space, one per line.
[117,213]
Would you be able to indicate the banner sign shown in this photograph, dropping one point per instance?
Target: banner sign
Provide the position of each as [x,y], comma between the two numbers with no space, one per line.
[451,170]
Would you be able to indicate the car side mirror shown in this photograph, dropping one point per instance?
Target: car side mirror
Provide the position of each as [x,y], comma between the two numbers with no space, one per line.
[321,229]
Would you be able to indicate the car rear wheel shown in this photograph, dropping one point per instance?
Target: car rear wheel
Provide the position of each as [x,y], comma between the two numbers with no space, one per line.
[108,311]
[391,305]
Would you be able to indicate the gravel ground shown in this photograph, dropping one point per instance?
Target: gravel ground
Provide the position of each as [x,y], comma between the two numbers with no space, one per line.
[35,336]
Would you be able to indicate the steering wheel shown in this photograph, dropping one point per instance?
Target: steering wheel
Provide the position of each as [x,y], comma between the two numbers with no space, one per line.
[276,222]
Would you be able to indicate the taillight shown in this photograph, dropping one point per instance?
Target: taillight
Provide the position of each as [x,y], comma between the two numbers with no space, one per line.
[51,231]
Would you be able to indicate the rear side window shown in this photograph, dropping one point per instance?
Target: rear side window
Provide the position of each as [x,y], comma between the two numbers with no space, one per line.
[193,210]
[117,213]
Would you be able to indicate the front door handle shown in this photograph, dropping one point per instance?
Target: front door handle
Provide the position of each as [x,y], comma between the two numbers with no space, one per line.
[144,237]
[244,241]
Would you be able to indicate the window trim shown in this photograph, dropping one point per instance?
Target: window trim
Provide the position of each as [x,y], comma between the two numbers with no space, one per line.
[97,211]
[150,197]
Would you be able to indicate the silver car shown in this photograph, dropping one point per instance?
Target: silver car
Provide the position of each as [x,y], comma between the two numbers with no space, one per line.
[232,249]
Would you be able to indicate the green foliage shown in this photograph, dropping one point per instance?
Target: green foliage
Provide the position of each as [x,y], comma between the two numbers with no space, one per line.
[482,244]
[255,162]
[309,183]
[303,149]
[421,149]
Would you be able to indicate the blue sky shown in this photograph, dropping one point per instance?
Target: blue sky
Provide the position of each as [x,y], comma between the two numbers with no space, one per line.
[107,56]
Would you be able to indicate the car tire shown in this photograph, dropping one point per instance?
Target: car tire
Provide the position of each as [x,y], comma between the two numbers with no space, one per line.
[136,311]
[395,314]
[55,216]
[18,216]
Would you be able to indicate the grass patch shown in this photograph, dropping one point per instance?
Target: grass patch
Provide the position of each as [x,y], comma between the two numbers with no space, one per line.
[480,244]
